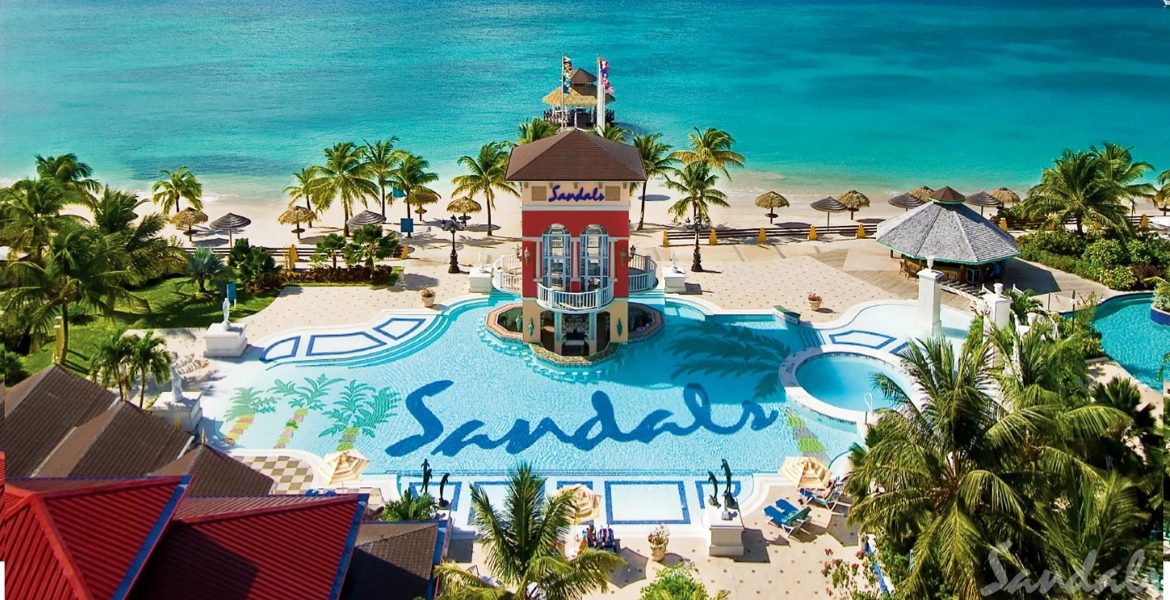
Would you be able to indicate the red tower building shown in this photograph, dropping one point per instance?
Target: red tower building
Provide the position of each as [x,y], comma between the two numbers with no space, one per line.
[575,271]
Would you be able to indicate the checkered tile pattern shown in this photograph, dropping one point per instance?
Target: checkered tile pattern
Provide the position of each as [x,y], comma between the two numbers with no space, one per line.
[292,475]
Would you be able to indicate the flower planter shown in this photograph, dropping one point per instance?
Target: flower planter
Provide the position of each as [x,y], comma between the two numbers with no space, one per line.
[814,305]
[658,553]
[428,298]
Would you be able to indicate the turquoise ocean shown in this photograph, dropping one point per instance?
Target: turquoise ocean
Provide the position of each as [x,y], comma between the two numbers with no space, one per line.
[827,95]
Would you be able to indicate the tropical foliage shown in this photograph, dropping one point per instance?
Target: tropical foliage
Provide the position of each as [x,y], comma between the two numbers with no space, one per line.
[370,245]
[344,178]
[485,177]
[711,147]
[523,540]
[176,186]
[1008,432]
[536,129]
[411,177]
[409,507]
[679,582]
[656,160]
[1082,187]
[148,358]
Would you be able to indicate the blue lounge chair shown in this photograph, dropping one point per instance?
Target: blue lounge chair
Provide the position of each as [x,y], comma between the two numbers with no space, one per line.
[781,513]
[796,522]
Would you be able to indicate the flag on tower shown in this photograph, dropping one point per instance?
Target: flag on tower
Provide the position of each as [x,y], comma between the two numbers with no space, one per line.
[566,73]
[603,68]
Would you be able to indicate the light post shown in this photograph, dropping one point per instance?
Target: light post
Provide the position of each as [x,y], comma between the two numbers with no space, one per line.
[700,223]
[452,225]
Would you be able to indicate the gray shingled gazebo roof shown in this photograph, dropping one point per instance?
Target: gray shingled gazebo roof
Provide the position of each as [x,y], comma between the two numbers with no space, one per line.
[947,232]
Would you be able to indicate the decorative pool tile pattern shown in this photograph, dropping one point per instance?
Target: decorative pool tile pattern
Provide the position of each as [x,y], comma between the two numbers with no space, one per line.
[387,334]
[856,337]
[646,503]
[292,475]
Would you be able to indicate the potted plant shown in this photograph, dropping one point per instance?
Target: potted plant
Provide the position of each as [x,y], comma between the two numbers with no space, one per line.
[814,301]
[428,297]
[658,539]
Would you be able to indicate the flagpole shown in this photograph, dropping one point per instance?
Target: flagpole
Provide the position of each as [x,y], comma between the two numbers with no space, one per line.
[599,117]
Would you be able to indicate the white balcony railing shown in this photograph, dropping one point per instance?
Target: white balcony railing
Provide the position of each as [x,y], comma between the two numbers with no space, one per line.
[643,273]
[554,299]
[507,273]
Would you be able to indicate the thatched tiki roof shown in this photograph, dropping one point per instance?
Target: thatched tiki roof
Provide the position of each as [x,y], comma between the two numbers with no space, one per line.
[1005,196]
[907,201]
[854,201]
[983,200]
[770,201]
[464,205]
[188,218]
[947,231]
[582,91]
[828,205]
[366,217]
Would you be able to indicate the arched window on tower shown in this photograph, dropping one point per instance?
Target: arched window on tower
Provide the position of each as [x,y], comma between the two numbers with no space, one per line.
[594,258]
[557,257]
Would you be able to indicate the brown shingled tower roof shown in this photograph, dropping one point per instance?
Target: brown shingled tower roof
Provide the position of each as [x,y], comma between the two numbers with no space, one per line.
[41,410]
[947,194]
[123,441]
[214,473]
[575,155]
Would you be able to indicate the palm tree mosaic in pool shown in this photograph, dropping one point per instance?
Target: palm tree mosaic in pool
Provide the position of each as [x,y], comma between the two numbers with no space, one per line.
[703,389]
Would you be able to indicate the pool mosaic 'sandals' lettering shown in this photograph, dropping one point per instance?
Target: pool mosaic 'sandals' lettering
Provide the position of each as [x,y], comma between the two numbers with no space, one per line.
[594,430]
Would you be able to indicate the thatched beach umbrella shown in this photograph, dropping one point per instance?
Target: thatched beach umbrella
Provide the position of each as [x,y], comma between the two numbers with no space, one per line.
[854,201]
[921,192]
[983,200]
[295,216]
[230,223]
[366,217]
[907,201]
[828,205]
[464,205]
[770,201]
[1005,196]
[187,219]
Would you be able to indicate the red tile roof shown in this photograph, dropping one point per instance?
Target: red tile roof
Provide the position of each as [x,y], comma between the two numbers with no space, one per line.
[275,547]
[575,155]
[65,539]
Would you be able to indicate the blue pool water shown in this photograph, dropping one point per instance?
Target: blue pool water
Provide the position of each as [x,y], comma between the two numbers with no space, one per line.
[1131,338]
[845,379]
[878,95]
[703,389]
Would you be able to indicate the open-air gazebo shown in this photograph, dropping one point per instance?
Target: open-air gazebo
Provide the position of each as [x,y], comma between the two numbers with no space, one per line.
[577,107]
[964,246]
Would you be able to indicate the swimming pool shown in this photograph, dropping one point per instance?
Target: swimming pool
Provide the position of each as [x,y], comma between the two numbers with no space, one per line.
[846,380]
[703,389]
[1131,338]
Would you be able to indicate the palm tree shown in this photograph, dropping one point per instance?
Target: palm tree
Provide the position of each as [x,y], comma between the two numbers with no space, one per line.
[370,245]
[344,178]
[487,174]
[711,147]
[411,177]
[148,358]
[656,161]
[33,214]
[80,268]
[113,210]
[305,189]
[697,183]
[246,403]
[1162,195]
[110,362]
[536,129]
[1075,188]
[70,172]
[409,507]
[1118,166]
[176,186]
[147,254]
[523,543]
[330,247]
[203,265]
[381,157]
[614,133]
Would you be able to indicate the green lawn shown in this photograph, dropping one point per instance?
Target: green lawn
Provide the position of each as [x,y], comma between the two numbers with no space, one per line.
[169,303]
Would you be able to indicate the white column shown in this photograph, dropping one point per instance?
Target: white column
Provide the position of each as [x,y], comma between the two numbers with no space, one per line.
[557,332]
[999,307]
[929,302]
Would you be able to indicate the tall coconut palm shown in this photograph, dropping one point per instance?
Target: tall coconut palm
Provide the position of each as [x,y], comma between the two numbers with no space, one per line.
[523,542]
[344,178]
[381,158]
[1075,189]
[80,268]
[246,403]
[656,161]
[110,362]
[712,147]
[487,174]
[176,186]
[70,172]
[33,214]
[411,177]
[1162,195]
[305,188]
[697,184]
[148,358]
[113,210]
[1118,166]
[536,129]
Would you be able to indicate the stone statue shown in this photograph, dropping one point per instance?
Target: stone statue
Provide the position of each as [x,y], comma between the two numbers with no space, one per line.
[176,383]
[227,307]
[728,497]
[426,472]
[713,499]
[442,485]
[673,262]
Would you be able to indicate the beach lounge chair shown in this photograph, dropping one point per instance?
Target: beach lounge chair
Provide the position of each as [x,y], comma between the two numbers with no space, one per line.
[828,500]
[796,522]
[781,512]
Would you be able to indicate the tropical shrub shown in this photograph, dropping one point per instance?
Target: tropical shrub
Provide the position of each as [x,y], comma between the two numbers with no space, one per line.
[1118,278]
[678,582]
[1105,253]
[410,507]
[11,369]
